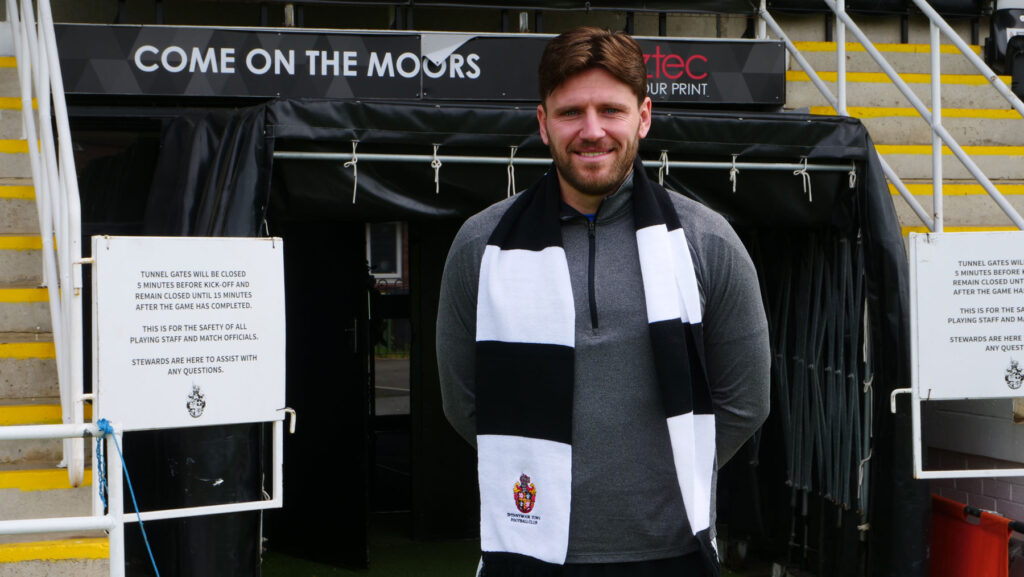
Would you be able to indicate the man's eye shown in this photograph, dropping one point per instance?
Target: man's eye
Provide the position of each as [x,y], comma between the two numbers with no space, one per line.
[611,110]
[571,113]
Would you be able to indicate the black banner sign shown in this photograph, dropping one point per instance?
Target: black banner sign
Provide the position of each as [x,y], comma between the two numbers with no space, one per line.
[234,62]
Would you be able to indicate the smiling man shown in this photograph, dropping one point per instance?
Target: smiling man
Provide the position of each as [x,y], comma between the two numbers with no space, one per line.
[601,341]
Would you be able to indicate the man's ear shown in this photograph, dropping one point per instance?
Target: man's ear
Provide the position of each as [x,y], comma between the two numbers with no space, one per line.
[645,117]
[541,116]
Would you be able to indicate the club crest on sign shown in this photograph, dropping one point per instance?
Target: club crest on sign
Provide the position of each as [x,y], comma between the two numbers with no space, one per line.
[1014,375]
[196,402]
[525,494]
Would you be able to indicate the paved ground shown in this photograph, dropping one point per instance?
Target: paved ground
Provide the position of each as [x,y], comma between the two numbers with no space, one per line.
[392,386]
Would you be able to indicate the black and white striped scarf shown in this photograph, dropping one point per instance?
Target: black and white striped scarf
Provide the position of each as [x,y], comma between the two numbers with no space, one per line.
[524,375]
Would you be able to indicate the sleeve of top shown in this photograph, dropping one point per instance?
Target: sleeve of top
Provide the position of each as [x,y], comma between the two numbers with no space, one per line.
[736,341]
[456,332]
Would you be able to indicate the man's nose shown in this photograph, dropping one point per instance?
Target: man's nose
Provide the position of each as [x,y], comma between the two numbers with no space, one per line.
[592,128]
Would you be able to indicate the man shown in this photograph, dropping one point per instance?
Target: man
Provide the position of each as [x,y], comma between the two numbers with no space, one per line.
[596,336]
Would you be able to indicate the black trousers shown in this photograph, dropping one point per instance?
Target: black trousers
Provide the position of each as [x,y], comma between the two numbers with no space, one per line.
[686,566]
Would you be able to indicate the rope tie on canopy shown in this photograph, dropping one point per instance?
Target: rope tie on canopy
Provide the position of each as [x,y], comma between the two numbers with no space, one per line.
[436,165]
[806,178]
[663,169]
[734,172]
[511,188]
[354,165]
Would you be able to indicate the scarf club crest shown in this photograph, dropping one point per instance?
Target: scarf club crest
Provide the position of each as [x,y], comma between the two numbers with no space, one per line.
[525,494]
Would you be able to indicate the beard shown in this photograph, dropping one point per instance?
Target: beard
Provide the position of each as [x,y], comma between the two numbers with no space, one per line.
[600,182]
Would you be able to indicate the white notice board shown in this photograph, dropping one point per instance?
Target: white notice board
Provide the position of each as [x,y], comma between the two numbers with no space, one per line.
[967,315]
[188,331]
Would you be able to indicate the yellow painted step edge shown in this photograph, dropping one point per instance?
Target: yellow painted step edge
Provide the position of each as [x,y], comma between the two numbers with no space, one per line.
[882,78]
[39,479]
[970,150]
[879,112]
[27,351]
[8,62]
[21,243]
[923,229]
[14,103]
[14,146]
[22,295]
[35,414]
[959,189]
[57,550]
[807,46]
[18,192]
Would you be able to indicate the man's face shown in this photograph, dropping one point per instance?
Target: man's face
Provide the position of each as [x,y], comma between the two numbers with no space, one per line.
[593,126]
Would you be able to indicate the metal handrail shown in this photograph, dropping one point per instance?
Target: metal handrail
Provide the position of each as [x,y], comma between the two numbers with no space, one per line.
[111,521]
[59,206]
[933,117]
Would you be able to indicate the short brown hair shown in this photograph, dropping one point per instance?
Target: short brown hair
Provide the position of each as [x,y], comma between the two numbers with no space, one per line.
[586,47]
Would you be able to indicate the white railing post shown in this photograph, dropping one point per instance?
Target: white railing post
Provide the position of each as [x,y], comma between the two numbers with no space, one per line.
[762,26]
[115,502]
[841,57]
[936,122]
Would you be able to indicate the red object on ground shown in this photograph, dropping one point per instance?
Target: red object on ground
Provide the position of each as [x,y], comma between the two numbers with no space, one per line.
[960,548]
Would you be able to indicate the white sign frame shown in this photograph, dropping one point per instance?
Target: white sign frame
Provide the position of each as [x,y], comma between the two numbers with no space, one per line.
[963,287]
[116,317]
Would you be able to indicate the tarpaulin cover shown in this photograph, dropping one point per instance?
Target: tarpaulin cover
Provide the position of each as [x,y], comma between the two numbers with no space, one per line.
[960,547]
[215,176]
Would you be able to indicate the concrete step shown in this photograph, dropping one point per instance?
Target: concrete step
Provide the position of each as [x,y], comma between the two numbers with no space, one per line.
[20,260]
[970,126]
[14,162]
[876,89]
[25,310]
[33,412]
[42,494]
[18,213]
[914,162]
[903,57]
[965,205]
[28,368]
[74,557]
[9,85]
[11,126]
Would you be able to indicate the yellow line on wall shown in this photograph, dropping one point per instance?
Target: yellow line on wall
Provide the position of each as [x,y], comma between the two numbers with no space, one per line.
[959,189]
[882,78]
[39,479]
[18,192]
[32,295]
[970,150]
[21,242]
[57,550]
[27,351]
[8,62]
[901,48]
[877,112]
